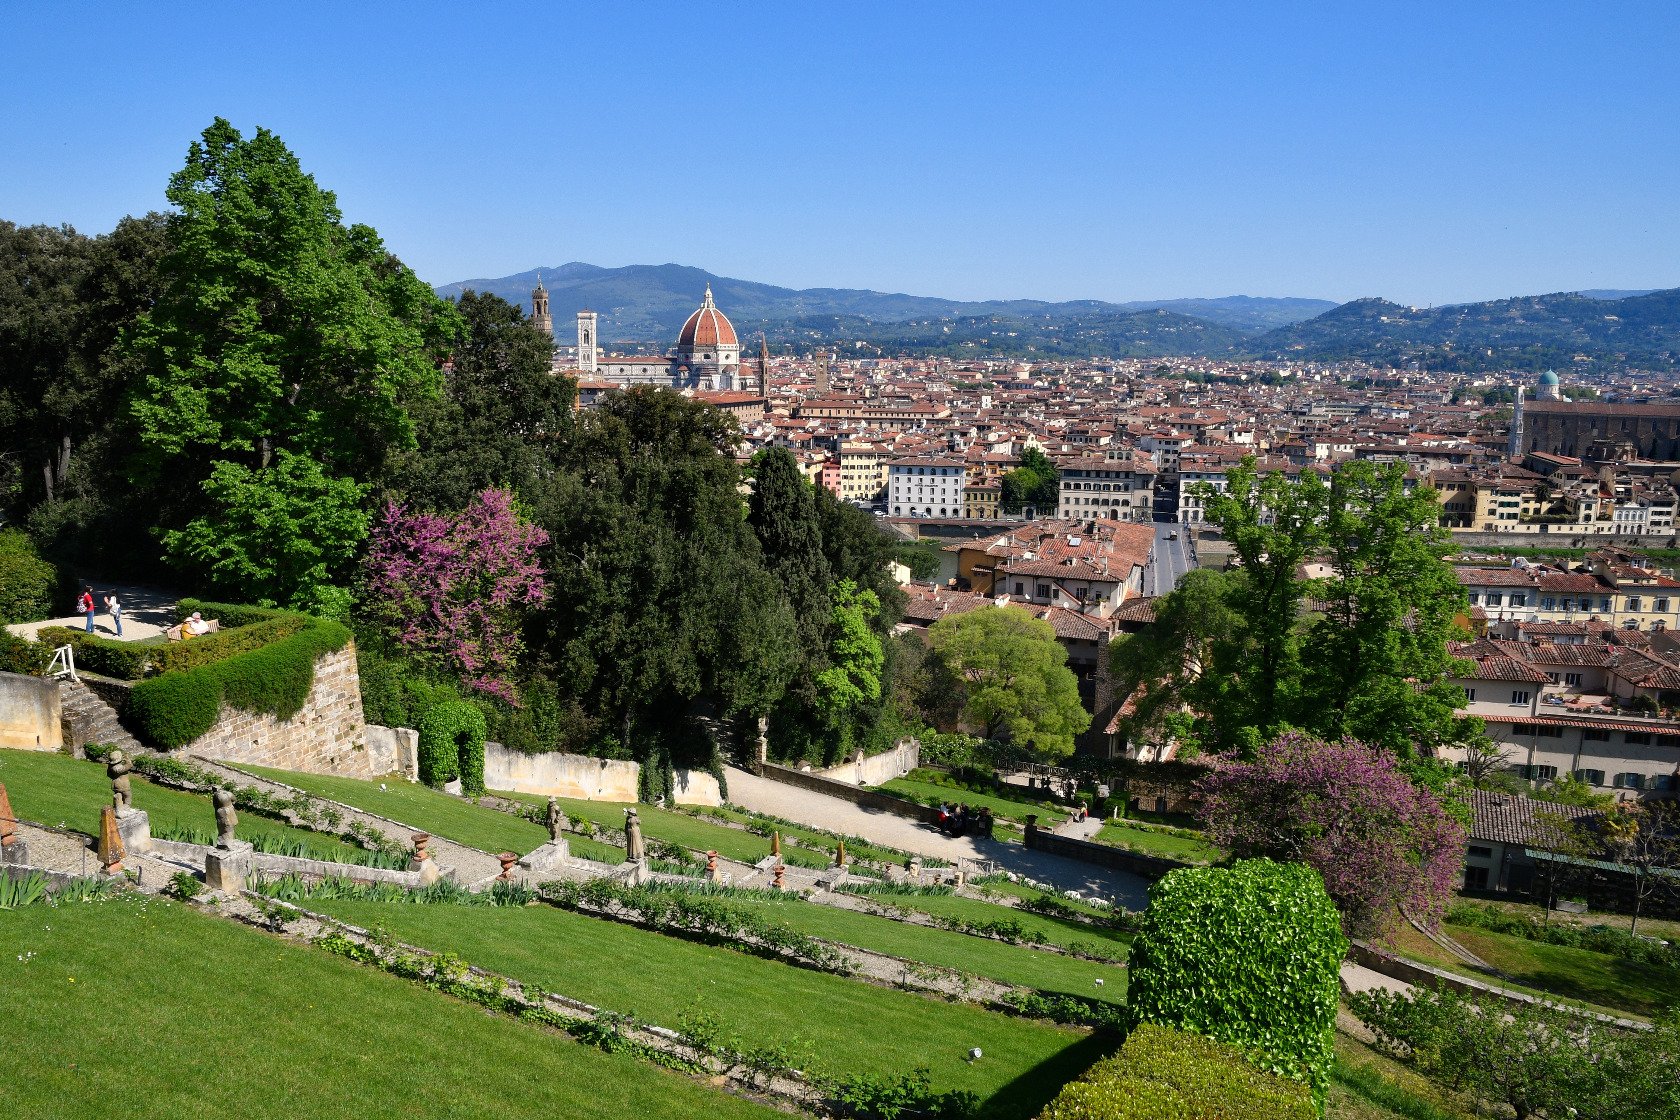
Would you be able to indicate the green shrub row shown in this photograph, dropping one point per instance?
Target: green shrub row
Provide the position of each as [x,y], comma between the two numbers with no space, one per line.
[452,746]
[174,709]
[1249,955]
[130,661]
[1596,938]
[20,655]
[275,845]
[230,615]
[126,661]
[29,586]
[1164,1074]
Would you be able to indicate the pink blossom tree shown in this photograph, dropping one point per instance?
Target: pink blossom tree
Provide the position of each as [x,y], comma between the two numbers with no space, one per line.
[452,587]
[1347,810]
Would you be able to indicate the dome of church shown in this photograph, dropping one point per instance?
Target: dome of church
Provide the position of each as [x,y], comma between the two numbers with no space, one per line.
[1550,377]
[707,327]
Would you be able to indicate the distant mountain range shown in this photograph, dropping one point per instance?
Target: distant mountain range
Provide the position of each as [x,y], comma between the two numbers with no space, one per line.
[645,306]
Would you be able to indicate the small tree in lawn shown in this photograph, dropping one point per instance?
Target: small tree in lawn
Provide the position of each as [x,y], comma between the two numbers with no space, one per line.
[1349,811]
[1015,677]
[452,586]
[1646,841]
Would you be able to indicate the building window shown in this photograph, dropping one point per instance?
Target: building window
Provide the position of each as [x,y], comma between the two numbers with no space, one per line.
[1547,603]
[1021,589]
[1519,696]
[1630,781]
[1519,599]
[1637,738]
[1470,695]
[1660,605]
[1572,678]
[1633,603]
[1494,599]
[1475,878]
[1603,604]
[1043,591]
[1591,777]
[1595,735]
[1481,851]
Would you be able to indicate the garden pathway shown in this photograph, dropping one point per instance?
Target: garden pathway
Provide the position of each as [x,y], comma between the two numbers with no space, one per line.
[822,811]
[147,612]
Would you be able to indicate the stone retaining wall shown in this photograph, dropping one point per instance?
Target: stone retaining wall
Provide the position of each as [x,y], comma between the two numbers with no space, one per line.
[1103,855]
[875,769]
[282,865]
[30,714]
[327,736]
[560,775]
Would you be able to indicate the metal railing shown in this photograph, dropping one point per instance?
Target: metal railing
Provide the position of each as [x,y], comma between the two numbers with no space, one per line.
[63,663]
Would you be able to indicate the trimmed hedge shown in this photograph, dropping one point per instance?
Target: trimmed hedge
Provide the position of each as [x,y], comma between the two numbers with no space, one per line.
[1249,955]
[20,655]
[452,746]
[175,708]
[126,661]
[228,614]
[1163,1074]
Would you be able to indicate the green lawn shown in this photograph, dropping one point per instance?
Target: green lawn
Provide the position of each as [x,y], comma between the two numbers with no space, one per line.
[1056,931]
[1003,808]
[683,830]
[1151,842]
[997,960]
[152,1012]
[809,838]
[1607,983]
[1021,890]
[433,811]
[56,789]
[852,1027]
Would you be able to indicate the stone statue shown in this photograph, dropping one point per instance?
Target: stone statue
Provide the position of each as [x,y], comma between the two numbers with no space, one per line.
[118,768]
[556,820]
[226,819]
[635,848]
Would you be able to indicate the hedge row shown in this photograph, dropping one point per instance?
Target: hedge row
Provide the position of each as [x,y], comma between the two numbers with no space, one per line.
[126,661]
[228,614]
[1163,1074]
[20,655]
[130,661]
[1249,955]
[174,709]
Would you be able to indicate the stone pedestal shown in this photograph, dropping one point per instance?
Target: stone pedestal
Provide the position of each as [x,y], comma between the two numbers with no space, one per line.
[226,869]
[555,853]
[635,872]
[135,827]
[16,852]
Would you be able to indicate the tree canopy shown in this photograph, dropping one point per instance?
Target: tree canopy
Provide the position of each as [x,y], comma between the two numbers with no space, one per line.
[1016,682]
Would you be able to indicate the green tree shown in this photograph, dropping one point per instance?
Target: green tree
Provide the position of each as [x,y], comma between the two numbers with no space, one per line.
[783,514]
[500,417]
[1016,682]
[855,658]
[1035,483]
[277,328]
[1173,663]
[275,536]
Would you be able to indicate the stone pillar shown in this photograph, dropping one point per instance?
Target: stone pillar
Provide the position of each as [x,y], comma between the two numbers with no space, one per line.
[110,842]
[840,854]
[712,866]
[226,869]
[12,848]
[136,829]
[421,861]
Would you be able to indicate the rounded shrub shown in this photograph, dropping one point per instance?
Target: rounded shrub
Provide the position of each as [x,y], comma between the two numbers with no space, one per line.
[452,746]
[172,710]
[1248,955]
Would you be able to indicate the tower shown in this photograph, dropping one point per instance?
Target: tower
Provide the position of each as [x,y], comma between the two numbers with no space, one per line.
[763,362]
[822,374]
[540,317]
[586,341]
[1513,446]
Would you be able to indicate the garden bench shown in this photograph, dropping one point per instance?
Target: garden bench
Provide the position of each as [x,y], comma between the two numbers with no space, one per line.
[211,625]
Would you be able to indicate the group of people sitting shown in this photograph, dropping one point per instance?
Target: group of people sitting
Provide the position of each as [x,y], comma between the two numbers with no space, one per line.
[961,820]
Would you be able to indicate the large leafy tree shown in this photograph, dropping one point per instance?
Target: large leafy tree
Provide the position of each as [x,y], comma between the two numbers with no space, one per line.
[1174,664]
[500,418]
[1034,483]
[278,328]
[783,514]
[1016,682]
[1348,810]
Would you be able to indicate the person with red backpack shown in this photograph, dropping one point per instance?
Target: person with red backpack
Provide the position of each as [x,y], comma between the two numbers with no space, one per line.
[85,605]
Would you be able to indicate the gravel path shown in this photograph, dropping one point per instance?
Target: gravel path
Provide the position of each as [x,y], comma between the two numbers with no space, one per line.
[822,811]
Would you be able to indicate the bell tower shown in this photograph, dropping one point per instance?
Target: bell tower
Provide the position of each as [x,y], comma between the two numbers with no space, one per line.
[586,341]
[540,318]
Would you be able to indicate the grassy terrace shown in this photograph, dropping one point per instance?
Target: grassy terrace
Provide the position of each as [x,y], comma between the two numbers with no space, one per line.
[684,830]
[1004,808]
[56,789]
[1606,983]
[1056,931]
[850,1026]
[1149,841]
[159,1013]
[996,960]
[805,837]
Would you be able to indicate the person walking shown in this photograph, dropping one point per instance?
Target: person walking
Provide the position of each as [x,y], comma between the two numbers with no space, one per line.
[114,606]
[86,605]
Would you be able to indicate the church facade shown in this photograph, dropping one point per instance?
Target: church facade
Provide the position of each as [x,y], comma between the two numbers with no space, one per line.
[706,358]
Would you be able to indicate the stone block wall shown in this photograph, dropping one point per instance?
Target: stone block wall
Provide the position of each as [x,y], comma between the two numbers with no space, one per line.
[560,775]
[327,736]
[874,769]
[30,713]
[695,787]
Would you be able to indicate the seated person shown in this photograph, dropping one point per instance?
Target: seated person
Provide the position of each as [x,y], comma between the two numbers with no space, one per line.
[194,626]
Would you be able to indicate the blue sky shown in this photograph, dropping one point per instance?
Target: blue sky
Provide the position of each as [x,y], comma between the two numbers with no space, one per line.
[1424,152]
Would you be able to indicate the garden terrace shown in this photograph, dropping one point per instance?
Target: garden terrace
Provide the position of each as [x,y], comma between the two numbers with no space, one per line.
[929,787]
[107,994]
[1063,932]
[1168,843]
[805,836]
[850,1027]
[56,790]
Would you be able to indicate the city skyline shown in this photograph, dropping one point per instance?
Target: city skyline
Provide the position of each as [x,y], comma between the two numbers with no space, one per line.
[1082,152]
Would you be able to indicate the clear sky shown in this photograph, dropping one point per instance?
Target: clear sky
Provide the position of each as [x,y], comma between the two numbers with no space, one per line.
[1424,152]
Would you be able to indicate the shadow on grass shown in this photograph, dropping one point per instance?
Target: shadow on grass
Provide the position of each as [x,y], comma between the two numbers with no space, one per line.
[1028,1093]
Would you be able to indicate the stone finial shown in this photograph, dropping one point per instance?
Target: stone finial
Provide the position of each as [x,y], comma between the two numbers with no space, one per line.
[712,866]
[118,768]
[110,841]
[780,873]
[840,854]
[420,840]
[8,822]
[776,843]
[227,820]
[508,859]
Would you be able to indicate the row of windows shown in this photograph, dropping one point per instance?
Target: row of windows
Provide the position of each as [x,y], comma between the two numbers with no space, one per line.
[1595,735]
[1105,487]
[1627,780]
[1635,603]
[928,470]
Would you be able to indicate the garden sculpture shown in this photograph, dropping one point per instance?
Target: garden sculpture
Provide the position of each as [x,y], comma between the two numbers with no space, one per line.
[117,768]
[226,819]
[635,848]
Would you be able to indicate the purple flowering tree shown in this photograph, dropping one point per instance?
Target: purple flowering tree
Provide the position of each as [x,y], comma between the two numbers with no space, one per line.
[452,587]
[1347,810]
